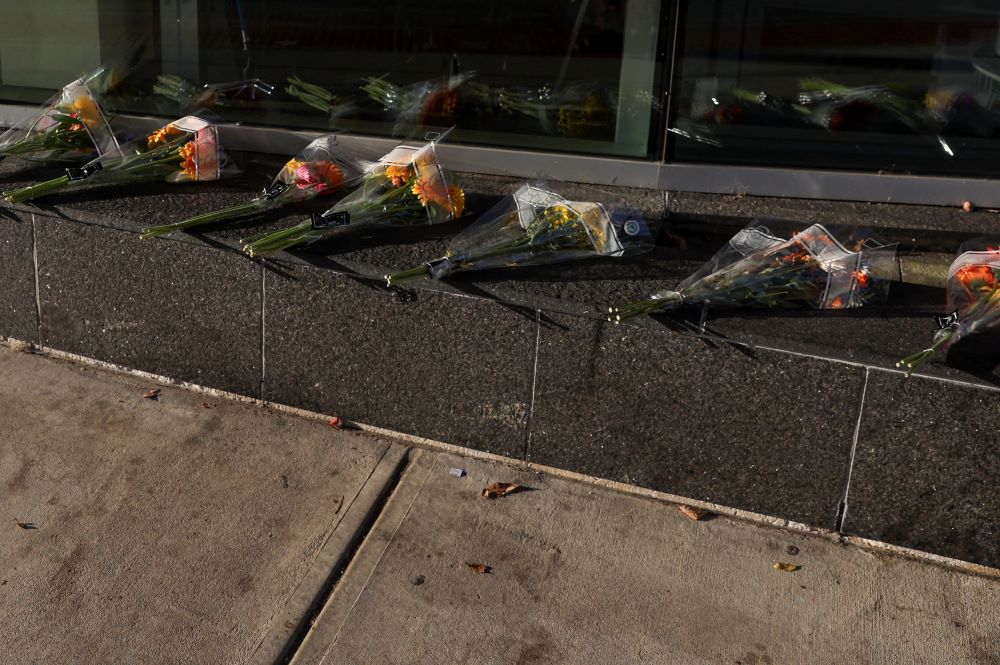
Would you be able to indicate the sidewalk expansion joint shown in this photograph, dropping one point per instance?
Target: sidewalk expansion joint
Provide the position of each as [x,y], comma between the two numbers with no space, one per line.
[842,506]
[357,540]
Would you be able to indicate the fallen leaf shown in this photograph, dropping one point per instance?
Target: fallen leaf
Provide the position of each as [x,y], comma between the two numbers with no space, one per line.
[692,513]
[479,568]
[335,422]
[206,405]
[152,394]
[787,567]
[19,346]
[967,206]
[497,490]
[25,525]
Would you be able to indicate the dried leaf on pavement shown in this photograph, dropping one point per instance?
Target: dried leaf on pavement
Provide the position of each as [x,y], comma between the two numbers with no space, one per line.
[206,405]
[152,394]
[787,567]
[25,525]
[692,513]
[479,568]
[497,490]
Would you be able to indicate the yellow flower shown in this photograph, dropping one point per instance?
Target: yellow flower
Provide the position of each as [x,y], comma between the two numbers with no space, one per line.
[559,215]
[292,166]
[87,111]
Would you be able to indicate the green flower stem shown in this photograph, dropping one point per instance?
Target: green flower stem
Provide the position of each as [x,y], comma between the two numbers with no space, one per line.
[641,307]
[275,242]
[912,363]
[403,275]
[249,208]
[125,172]
[34,191]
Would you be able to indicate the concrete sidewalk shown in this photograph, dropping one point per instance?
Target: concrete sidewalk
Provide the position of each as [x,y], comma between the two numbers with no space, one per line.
[191,529]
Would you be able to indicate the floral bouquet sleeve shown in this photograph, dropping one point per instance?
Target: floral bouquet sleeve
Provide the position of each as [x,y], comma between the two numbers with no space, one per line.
[406,187]
[973,300]
[535,226]
[758,268]
[186,150]
[70,127]
[322,168]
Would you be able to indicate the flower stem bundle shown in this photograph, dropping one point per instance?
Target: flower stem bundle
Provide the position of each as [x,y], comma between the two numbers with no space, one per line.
[322,168]
[757,268]
[406,187]
[537,226]
[186,150]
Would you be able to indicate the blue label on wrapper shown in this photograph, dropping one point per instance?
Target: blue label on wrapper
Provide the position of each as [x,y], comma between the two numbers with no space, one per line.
[275,190]
[949,321]
[84,172]
[329,220]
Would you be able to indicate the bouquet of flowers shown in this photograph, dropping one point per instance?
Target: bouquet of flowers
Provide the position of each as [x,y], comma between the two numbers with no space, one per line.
[973,299]
[190,97]
[862,108]
[758,268]
[186,150]
[535,226]
[406,187]
[70,127]
[425,102]
[321,169]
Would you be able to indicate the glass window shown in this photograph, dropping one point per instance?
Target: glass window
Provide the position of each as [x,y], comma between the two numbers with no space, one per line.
[567,75]
[900,87]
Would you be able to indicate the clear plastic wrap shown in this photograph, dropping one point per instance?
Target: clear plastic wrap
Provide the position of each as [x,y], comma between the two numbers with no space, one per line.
[70,127]
[758,268]
[426,102]
[973,300]
[186,150]
[322,168]
[190,97]
[406,187]
[536,226]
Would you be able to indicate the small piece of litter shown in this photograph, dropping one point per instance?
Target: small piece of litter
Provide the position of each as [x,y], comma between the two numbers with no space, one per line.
[335,422]
[792,550]
[25,525]
[787,567]
[497,490]
[967,206]
[692,513]
[152,394]
[206,405]
[479,568]
[458,473]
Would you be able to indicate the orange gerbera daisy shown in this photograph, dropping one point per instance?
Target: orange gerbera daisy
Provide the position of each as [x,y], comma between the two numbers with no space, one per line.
[87,111]
[189,160]
[162,135]
[862,278]
[431,190]
[977,278]
[398,173]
